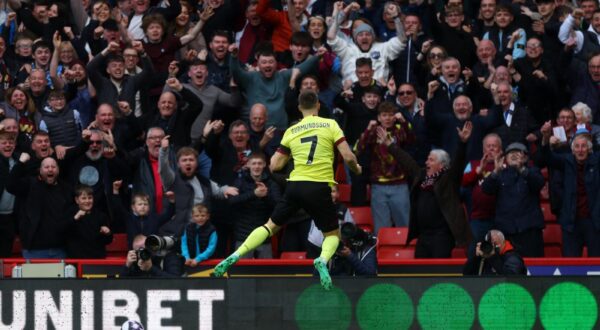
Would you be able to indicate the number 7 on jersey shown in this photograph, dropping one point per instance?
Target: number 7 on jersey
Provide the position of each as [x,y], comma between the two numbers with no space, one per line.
[313,139]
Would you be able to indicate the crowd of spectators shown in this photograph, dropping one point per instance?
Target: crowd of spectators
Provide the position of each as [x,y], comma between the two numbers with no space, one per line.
[160,117]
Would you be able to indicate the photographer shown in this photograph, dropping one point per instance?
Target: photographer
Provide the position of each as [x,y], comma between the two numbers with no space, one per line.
[495,256]
[356,255]
[142,262]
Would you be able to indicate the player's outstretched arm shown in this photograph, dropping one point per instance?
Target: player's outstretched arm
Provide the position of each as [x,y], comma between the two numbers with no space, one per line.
[349,157]
[278,161]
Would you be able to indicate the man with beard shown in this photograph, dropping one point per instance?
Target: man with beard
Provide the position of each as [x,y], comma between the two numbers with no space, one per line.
[189,187]
[485,21]
[364,44]
[42,204]
[217,61]
[267,85]
[143,162]
[97,167]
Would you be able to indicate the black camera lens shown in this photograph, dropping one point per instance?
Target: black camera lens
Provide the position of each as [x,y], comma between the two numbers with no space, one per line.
[486,247]
[144,254]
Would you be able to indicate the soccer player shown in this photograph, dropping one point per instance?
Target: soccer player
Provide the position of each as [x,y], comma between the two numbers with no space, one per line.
[311,144]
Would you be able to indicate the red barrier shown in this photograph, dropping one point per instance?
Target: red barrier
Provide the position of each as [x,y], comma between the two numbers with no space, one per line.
[80,263]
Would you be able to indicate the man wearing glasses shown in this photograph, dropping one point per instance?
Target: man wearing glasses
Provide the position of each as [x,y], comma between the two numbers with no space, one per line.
[412,109]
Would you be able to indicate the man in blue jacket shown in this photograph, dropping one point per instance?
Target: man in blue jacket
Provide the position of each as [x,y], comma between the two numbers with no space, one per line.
[517,189]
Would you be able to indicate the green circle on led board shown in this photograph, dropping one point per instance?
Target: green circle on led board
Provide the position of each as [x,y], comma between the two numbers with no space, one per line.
[568,306]
[507,306]
[446,306]
[320,309]
[384,306]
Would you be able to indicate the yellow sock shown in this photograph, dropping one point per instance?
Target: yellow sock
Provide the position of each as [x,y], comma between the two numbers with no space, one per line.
[330,244]
[254,240]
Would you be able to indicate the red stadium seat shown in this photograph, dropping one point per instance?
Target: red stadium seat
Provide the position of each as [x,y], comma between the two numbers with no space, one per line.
[293,255]
[459,253]
[344,191]
[547,211]
[403,253]
[16,250]
[553,240]
[391,236]
[7,269]
[362,217]
[545,173]
[552,251]
[118,247]
[552,234]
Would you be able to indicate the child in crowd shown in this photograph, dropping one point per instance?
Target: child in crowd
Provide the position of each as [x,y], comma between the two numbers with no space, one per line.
[62,123]
[315,237]
[199,239]
[141,220]
[88,234]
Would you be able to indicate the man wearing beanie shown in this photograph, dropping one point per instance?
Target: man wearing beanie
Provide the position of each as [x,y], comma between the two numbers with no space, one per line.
[381,53]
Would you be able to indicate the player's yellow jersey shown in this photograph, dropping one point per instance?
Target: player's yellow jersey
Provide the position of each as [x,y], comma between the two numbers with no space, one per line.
[311,144]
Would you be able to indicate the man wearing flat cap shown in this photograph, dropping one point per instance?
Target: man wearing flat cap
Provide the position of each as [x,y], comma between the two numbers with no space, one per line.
[517,189]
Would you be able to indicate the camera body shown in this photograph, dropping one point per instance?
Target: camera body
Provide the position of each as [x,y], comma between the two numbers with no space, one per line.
[143,254]
[487,246]
[354,237]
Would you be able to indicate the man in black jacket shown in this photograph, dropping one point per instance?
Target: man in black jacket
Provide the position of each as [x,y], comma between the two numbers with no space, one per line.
[7,200]
[117,86]
[503,259]
[42,200]
[437,217]
[258,195]
[518,125]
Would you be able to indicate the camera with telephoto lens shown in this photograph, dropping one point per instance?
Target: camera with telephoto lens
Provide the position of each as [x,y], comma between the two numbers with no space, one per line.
[160,245]
[486,246]
[354,237]
[143,254]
